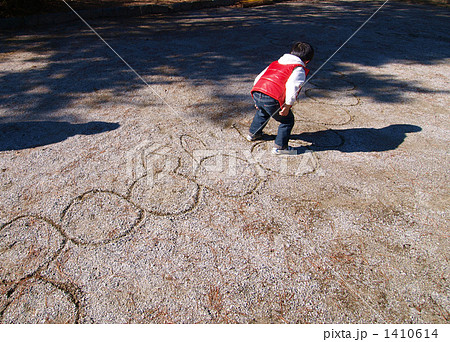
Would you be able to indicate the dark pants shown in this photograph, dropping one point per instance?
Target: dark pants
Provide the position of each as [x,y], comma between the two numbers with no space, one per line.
[266,107]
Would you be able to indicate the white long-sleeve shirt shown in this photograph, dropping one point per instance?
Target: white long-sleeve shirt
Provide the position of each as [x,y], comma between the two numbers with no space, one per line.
[294,82]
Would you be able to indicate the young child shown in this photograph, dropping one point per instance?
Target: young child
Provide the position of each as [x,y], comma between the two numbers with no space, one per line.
[275,90]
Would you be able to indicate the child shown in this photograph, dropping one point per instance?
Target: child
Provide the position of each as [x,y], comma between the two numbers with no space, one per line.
[275,90]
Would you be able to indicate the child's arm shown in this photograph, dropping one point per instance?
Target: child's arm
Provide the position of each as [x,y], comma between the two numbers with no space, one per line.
[285,110]
[293,86]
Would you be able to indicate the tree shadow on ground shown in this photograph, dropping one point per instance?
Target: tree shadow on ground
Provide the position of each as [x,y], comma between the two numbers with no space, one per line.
[216,47]
[23,135]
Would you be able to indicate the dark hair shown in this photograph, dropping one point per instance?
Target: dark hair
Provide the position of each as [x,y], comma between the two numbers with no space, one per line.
[302,50]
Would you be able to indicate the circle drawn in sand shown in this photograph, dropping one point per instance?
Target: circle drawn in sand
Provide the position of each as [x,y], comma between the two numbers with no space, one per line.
[332,97]
[40,302]
[191,144]
[227,174]
[26,244]
[332,81]
[165,193]
[321,113]
[99,217]
[303,163]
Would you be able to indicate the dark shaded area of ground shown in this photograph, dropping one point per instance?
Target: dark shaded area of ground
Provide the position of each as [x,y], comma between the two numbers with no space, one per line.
[22,135]
[13,8]
[198,53]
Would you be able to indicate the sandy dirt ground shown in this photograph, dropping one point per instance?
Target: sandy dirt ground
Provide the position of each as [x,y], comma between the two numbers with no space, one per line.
[125,202]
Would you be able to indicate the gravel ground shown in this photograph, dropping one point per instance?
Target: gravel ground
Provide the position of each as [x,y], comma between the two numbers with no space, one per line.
[127,203]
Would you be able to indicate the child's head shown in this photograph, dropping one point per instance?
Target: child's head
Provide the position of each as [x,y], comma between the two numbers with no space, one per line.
[302,50]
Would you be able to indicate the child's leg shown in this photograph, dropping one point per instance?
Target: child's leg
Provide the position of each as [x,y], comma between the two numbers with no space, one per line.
[266,107]
[259,122]
[284,130]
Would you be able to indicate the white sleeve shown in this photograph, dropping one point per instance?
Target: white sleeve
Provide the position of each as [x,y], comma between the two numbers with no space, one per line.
[294,84]
[259,76]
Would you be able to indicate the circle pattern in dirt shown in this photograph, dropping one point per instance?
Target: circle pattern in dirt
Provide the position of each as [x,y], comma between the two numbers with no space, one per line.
[321,113]
[332,81]
[100,217]
[227,174]
[26,244]
[332,97]
[291,165]
[191,144]
[40,302]
[165,193]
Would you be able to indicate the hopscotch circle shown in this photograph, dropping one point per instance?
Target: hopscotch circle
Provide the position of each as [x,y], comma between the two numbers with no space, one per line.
[99,217]
[39,301]
[27,244]
[226,173]
[165,193]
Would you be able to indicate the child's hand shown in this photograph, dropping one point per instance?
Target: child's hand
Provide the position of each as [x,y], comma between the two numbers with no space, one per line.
[285,110]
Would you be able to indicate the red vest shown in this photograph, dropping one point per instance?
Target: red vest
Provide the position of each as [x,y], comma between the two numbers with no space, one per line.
[273,81]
